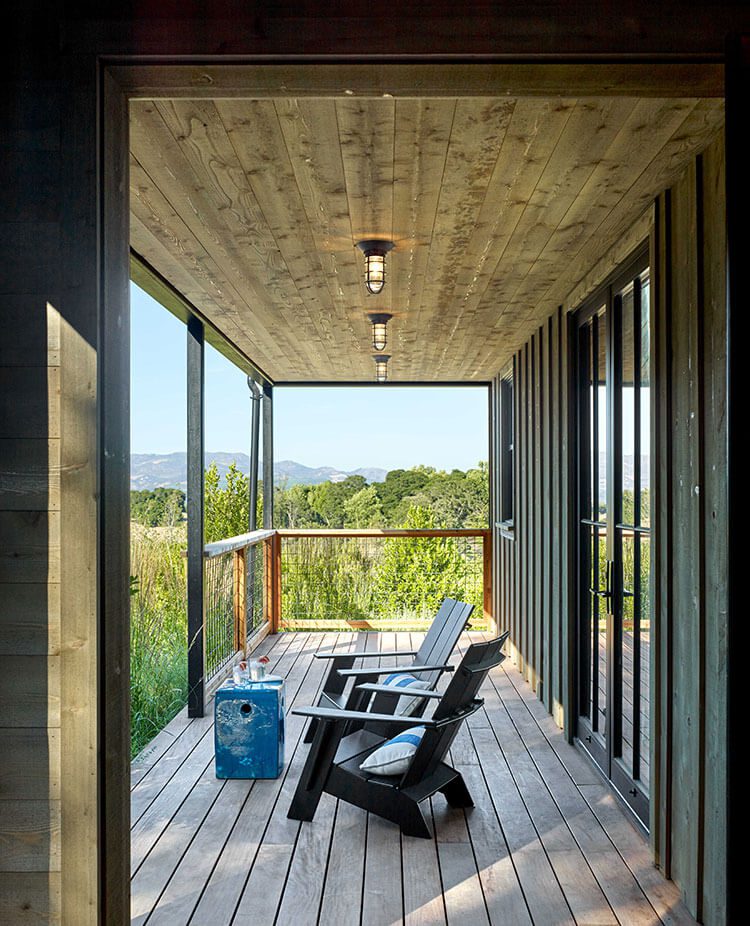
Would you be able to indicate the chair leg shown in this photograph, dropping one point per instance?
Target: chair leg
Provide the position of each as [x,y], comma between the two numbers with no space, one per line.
[413,823]
[311,730]
[315,773]
[456,793]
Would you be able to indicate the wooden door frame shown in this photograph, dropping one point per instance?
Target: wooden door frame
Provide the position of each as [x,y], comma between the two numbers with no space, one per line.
[117,81]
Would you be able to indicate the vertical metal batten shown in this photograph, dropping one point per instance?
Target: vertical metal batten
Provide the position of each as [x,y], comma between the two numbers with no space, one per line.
[267,457]
[195,515]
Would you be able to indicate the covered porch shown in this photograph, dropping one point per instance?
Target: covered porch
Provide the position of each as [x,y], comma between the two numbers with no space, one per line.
[563,215]
[546,842]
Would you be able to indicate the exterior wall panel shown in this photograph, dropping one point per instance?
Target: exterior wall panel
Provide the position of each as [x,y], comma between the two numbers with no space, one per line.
[688,477]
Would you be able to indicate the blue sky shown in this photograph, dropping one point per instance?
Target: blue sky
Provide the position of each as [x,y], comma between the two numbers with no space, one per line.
[342,427]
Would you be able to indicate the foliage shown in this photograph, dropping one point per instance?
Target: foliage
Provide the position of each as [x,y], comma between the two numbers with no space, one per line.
[228,505]
[457,499]
[325,579]
[414,574]
[158,508]
[158,631]
[363,509]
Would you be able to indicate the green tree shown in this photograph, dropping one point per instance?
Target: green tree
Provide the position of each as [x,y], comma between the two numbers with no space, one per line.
[226,512]
[398,484]
[292,508]
[162,507]
[363,509]
[414,574]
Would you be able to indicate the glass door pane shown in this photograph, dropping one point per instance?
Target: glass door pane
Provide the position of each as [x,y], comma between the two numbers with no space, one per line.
[614,536]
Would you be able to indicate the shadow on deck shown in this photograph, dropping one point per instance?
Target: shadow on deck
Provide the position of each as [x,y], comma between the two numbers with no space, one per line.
[546,843]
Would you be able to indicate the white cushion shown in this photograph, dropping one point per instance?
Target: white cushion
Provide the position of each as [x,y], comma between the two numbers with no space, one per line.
[394,757]
[401,680]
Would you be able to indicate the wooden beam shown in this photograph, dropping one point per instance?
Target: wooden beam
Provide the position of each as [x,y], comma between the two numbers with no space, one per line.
[419,81]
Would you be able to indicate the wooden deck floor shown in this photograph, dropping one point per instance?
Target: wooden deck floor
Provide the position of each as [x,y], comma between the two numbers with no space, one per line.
[546,843]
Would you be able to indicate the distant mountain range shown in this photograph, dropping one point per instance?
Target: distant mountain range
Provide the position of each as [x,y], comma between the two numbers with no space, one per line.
[152,470]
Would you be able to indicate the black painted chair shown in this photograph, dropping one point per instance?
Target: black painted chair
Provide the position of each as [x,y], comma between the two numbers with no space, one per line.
[333,763]
[430,661]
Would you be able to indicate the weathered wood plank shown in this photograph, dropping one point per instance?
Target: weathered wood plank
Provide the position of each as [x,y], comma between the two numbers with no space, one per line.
[382,899]
[686,691]
[582,892]
[253,865]
[230,889]
[30,898]
[30,691]
[663,895]
[31,619]
[715,501]
[35,324]
[502,891]
[542,891]
[30,836]
[29,475]
[29,403]
[31,764]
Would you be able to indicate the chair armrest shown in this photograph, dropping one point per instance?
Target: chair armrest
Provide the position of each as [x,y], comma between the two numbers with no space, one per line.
[387,670]
[406,692]
[331,713]
[372,655]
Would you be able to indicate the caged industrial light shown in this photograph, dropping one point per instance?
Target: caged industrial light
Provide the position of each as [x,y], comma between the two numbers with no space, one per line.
[381,367]
[379,321]
[375,252]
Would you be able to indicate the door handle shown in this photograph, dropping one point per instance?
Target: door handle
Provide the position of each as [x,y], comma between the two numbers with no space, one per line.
[607,592]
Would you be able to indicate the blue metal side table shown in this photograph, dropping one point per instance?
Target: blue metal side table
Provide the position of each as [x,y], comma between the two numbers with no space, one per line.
[249,728]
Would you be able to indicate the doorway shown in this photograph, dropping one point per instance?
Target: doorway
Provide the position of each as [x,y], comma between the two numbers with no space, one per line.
[614,532]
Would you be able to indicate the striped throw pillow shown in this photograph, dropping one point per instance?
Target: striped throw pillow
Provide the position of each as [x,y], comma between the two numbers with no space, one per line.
[394,757]
[403,681]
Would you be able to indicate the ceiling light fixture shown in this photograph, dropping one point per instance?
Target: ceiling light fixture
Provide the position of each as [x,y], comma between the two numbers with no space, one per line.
[381,367]
[379,322]
[375,252]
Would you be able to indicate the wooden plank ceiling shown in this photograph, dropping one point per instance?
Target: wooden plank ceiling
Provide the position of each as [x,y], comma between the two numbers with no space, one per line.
[497,207]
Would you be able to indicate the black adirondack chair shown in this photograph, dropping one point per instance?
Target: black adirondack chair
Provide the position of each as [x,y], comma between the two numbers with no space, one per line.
[333,762]
[430,661]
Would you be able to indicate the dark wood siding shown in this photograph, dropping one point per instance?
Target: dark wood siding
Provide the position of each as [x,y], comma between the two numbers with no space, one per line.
[690,532]
[535,571]
[30,648]
[532,588]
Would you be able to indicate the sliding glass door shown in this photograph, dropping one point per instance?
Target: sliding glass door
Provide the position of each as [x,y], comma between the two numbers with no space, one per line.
[614,547]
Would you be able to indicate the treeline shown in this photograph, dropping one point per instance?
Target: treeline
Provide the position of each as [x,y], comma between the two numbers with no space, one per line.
[457,499]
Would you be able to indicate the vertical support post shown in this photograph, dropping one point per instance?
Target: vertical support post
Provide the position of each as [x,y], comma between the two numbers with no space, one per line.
[487,570]
[240,599]
[267,457]
[255,398]
[195,513]
[738,239]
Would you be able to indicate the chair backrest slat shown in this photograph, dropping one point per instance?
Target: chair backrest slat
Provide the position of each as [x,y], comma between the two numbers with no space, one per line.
[459,696]
[441,638]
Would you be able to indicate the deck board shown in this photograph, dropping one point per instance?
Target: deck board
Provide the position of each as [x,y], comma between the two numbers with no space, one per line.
[545,843]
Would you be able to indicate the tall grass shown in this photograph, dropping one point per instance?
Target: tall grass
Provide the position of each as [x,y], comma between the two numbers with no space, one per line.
[158,630]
